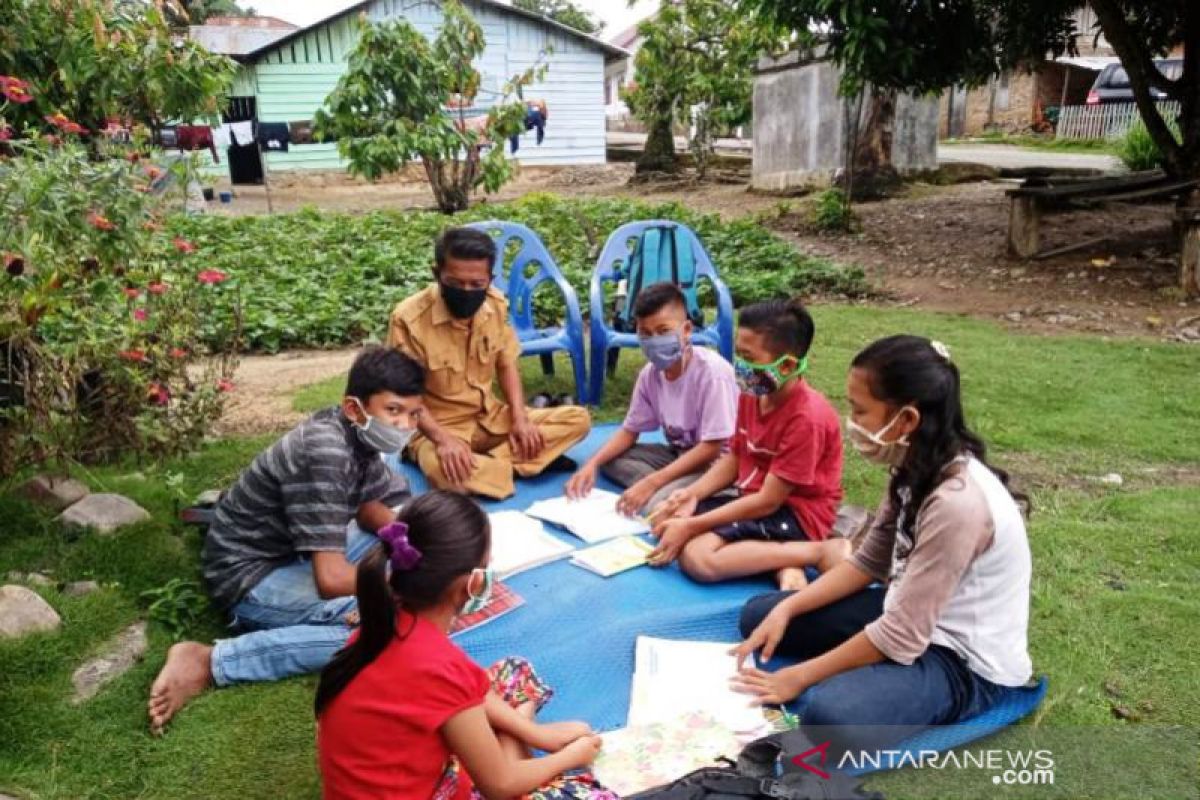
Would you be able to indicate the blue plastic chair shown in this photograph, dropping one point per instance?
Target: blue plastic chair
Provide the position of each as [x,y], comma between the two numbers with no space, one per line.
[610,268]
[518,285]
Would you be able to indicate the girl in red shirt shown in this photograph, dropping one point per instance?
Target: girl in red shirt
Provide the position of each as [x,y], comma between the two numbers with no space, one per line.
[402,712]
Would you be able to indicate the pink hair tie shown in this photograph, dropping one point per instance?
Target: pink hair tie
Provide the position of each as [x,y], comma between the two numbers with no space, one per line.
[402,555]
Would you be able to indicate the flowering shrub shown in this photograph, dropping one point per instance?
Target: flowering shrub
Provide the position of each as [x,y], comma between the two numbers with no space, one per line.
[99,308]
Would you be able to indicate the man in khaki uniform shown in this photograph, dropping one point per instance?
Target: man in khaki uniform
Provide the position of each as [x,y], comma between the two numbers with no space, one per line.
[458,330]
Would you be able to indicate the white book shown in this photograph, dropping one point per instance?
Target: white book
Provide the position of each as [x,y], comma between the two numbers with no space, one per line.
[520,543]
[593,518]
[670,675]
[613,556]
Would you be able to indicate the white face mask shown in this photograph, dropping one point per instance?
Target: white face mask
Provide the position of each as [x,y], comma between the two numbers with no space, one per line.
[872,446]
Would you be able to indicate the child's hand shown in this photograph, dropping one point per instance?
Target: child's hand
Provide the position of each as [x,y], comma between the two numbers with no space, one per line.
[581,483]
[681,503]
[672,535]
[765,637]
[635,497]
[583,751]
[554,736]
[771,688]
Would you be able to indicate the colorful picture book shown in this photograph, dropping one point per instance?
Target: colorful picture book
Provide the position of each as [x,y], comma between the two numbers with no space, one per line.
[613,556]
[670,675]
[593,518]
[520,542]
[503,600]
[642,757]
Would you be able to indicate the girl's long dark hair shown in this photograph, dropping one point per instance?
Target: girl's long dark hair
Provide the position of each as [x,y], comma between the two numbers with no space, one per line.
[453,535]
[908,371]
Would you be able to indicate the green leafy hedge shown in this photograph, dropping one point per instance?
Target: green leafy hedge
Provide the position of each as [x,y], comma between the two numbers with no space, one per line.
[319,279]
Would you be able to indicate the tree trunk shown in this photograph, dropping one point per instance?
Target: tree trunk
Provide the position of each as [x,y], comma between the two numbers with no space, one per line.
[874,175]
[659,152]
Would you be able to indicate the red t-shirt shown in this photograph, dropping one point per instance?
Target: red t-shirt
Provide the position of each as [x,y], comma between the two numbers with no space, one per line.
[799,442]
[380,737]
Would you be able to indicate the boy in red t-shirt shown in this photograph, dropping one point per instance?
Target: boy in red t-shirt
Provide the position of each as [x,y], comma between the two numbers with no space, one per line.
[780,483]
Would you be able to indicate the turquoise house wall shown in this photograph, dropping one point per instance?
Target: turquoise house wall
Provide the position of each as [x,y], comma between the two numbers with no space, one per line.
[292,81]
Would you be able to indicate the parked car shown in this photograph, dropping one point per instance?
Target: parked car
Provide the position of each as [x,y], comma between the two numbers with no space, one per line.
[1112,84]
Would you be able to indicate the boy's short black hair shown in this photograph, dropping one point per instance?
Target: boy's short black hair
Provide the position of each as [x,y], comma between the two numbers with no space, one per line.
[786,325]
[656,297]
[382,369]
[464,244]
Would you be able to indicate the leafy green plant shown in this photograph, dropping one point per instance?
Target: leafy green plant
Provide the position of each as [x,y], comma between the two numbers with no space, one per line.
[177,605]
[367,263]
[832,211]
[404,98]
[1137,149]
[100,309]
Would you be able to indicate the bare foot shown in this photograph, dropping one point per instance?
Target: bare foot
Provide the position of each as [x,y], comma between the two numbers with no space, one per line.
[186,674]
[791,579]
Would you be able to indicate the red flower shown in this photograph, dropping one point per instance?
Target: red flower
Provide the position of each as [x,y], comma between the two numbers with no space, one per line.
[212,276]
[131,293]
[152,172]
[100,222]
[183,245]
[158,288]
[14,264]
[225,385]
[140,315]
[15,89]
[5,133]
[57,119]
[60,121]
[133,355]
[158,394]
[178,352]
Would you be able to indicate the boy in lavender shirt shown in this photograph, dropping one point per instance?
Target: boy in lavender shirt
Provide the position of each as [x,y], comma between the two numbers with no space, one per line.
[689,392]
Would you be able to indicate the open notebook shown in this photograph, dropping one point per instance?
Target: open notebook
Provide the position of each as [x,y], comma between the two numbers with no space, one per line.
[520,543]
[593,518]
[613,556]
[671,675]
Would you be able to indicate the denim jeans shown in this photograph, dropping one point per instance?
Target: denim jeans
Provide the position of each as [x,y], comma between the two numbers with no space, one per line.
[289,628]
[880,704]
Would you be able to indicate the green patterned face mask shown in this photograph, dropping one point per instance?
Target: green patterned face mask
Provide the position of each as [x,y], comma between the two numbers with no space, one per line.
[764,379]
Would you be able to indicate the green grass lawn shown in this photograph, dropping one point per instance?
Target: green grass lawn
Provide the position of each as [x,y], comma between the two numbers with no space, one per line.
[1115,606]
[1031,141]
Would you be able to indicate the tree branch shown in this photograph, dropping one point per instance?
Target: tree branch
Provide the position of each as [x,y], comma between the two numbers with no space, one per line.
[1139,65]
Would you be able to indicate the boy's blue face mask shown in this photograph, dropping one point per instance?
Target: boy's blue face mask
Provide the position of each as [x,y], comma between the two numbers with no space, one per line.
[761,380]
[664,350]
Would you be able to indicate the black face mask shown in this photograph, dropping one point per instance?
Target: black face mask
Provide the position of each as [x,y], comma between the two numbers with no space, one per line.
[463,303]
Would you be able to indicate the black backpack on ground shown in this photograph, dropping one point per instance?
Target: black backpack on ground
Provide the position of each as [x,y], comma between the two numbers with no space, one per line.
[754,777]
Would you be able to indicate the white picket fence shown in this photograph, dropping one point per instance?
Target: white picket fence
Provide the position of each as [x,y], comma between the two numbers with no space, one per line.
[1107,121]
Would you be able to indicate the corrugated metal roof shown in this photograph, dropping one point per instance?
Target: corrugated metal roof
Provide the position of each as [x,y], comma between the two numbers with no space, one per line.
[610,52]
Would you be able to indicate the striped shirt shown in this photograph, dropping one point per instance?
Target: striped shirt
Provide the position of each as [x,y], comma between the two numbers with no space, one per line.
[296,498]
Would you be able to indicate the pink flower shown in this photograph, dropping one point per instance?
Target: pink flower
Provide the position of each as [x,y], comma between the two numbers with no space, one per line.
[157,288]
[100,222]
[178,352]
[225,385]
[133,355]
[183,245]
[212,276]
[140,315]
[131,293]
[15,89]
[158,394]
[5,133]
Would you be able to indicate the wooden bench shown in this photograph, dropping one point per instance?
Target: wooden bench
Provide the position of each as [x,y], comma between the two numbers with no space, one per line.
[1037,195]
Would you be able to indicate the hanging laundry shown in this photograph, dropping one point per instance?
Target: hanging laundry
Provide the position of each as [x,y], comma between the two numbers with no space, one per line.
[301,132]
[536,114]
[221,137]
[242,132]
[197,137]
[273,136]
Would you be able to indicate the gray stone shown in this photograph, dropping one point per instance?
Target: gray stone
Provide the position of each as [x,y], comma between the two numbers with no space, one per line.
[115,658]
[208,498]
[104,513]
[24,611]
[1112,479]
[31,578]
[55,492]
[80,588]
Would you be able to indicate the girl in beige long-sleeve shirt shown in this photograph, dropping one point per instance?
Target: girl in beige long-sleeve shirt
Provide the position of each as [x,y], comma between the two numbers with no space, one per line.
[926,623]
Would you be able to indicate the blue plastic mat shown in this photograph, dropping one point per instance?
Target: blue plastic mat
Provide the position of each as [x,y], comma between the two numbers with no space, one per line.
[578,629]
